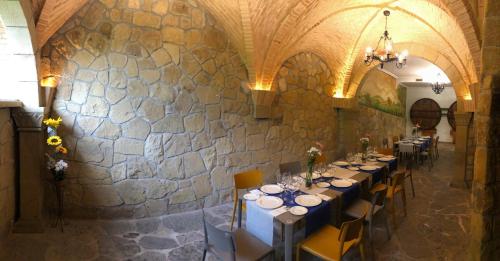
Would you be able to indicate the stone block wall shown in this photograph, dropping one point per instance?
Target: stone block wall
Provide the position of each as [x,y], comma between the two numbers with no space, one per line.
[379,125]
[155,115]
[7,172]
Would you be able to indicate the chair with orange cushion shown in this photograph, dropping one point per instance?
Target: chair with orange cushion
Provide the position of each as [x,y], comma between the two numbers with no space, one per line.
[385,151]
[331,243]
[245,180]
[397,186]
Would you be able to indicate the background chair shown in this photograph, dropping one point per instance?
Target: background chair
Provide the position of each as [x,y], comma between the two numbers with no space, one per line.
[396,187]
[409,174]
[385,151]
[376,205]
[239,245]
[245,180]
[330,243]
[293,167]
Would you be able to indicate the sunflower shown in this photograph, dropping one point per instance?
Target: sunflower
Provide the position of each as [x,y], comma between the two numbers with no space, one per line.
[53,123]
[61,149]
[54,140]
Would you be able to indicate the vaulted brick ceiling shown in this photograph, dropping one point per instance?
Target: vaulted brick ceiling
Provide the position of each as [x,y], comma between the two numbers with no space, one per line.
[266,33]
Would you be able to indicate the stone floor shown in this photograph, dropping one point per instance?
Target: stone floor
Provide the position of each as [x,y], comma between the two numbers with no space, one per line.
[435,228]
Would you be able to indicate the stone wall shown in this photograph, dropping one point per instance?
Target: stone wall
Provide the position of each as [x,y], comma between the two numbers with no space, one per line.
[154,114]
[379,125]
[374,122]
[7,172]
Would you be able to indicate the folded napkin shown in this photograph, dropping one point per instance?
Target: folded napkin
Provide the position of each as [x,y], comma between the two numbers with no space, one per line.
[278,211]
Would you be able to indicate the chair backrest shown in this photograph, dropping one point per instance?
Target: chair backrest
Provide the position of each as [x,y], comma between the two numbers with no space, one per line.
[401,136]
[385,143]
[248,179]
[406,147]
[385,151]
[293,167]
[219,239]
[437,140]
[379,197]
[395,139]
[321,159]
[397,180]
[351,230]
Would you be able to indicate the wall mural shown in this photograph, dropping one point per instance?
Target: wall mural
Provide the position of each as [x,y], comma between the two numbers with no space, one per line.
[378,91]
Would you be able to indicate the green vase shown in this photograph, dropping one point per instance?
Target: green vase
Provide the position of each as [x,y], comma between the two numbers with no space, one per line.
[309,173]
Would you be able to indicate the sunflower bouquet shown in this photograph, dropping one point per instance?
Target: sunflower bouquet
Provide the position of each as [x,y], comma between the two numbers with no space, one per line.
[55,164]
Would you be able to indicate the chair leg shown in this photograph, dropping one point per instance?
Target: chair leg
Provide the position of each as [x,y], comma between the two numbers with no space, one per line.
[393,212]
[403,197]
[362,251]
[297,252]
[386,225]
[204,254]
[234,213]
[370,230]
[411,183]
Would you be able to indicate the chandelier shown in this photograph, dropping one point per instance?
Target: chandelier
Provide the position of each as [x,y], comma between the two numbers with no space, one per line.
[387,54]
[437,87]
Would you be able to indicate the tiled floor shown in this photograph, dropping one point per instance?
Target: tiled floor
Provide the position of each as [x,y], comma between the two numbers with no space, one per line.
[435,228]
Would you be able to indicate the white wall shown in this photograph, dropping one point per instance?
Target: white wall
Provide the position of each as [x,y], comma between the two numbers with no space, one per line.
[445,99]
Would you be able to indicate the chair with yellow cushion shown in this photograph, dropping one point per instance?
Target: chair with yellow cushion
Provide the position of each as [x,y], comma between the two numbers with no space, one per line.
[331,243]
[245,180]
[397,186]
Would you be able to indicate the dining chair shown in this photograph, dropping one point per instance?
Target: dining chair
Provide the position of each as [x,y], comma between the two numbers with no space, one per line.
[385,151]
[245,180]
[397,186]
[234,246]
[385,143]
[371,208]
[428,155]
[293,167]
[409,175]
[395,138]
[331,243]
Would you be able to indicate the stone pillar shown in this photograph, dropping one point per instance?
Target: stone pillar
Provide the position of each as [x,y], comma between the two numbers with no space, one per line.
[485,216]
[30,177]
[462,121]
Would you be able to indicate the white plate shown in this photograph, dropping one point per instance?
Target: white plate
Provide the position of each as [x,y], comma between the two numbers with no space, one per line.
[269,202]
[251,196]
[308,200]
[271,189]
[385,159]
[368,167]
[340,183]
[341,163]
[353,168]
[323,184]
[373,160]
[298,210]
[328,174]
[314,175]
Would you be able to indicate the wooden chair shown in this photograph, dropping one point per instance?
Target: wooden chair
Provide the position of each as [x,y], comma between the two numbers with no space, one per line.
[396,187]
[428,154]
[395,138]
[371,208]
[237,245]
[386,151]
[293,167]
[245,180]
[330,243]
[409,174]
[385,143]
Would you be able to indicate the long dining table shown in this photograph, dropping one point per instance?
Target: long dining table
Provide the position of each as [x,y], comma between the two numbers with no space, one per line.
[262,223]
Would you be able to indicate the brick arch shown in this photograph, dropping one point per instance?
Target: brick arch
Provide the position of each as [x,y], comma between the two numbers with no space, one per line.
[459,83]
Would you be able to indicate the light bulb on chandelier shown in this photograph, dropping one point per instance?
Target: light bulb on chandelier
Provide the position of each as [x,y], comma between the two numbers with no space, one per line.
[386,55]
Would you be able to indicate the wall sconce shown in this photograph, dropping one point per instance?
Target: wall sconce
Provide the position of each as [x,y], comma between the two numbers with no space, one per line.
[49,81]
[262,101]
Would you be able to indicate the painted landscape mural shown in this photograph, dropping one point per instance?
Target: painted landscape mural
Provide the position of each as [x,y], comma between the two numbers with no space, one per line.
[379,91]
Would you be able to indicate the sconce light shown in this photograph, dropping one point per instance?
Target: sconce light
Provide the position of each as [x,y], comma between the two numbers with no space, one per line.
[49,81]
